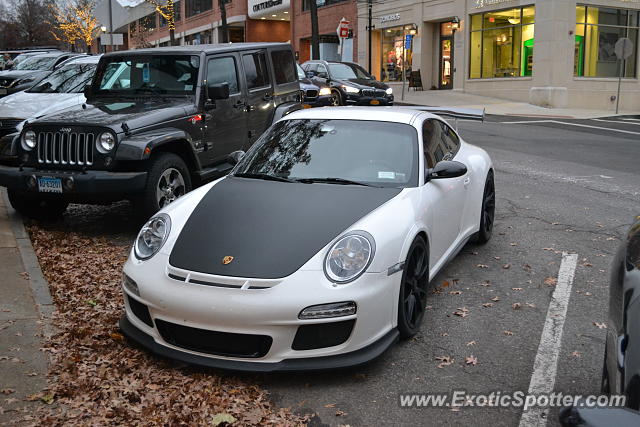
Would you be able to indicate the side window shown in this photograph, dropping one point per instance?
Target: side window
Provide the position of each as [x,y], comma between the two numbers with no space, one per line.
[284,66]
[220,70]
[431,143]
[255,69]
[451,142]
[311,67]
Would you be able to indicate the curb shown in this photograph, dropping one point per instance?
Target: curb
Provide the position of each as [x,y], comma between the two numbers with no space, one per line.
[37,282]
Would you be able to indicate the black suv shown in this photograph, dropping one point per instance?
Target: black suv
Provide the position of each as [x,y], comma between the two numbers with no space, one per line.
[349,83]
[157,122]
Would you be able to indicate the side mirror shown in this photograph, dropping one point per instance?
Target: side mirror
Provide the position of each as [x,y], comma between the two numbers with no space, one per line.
[235,157]
[87,91]
[446,169]
[218,91]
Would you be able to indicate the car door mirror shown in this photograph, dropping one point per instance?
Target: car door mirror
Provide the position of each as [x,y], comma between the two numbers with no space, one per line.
[87,91]
[446,169]
[235,157]
[218,91]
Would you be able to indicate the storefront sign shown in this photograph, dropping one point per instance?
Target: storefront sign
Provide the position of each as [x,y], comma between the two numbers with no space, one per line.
[484,3]
[264,8]
[389,18]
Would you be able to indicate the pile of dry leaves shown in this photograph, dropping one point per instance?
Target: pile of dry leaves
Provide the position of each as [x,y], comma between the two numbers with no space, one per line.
[97,378]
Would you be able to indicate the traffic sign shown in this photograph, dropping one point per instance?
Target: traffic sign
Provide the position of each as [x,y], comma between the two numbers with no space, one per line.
[624,48]
[407,41]
[343,29]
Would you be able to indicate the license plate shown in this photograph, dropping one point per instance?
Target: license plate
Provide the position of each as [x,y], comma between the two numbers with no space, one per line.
[306,106]
[49,185]
[374,102]
[3,91]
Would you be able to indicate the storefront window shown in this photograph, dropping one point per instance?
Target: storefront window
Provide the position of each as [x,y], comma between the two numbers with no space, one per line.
[597,31]
[502,43]
[320,3]
[393,49]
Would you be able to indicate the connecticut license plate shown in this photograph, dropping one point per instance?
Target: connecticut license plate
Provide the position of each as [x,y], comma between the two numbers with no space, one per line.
[374,102]
[49,185]
[3,91]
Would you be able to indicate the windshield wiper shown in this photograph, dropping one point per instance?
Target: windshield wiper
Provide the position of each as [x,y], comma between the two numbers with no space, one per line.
[264,176]
[330,180]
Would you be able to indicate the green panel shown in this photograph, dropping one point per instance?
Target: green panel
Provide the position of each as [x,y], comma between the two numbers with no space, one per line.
[527,58]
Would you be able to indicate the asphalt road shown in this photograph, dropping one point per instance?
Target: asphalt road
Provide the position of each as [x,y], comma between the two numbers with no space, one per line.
[562,186]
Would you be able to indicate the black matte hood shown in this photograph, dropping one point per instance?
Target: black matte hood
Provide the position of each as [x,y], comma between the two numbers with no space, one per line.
[136,113]
[364,83]
[269,228]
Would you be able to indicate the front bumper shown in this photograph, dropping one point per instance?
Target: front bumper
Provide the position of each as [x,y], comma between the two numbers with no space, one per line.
[319,101]
[87,185]
[266,309]
[359,99]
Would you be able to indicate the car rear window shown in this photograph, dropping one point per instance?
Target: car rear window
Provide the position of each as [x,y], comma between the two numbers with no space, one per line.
[283,66]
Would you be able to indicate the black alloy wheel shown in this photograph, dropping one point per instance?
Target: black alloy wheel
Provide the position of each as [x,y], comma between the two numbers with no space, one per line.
[413,289]
[488,212]
[336,98]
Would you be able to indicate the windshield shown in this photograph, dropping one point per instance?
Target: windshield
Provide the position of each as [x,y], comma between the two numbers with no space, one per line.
[301,73]
[70,78]
[37,63]
[348,71]
[148,74]
[375,153]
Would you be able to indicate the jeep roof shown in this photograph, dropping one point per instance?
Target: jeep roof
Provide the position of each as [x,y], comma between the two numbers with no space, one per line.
[191,49]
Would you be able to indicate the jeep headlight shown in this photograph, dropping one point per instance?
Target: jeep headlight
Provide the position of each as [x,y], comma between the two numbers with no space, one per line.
[325,91]
[152,236]
[349,257]
[350,89]
[29,140]
[106,142]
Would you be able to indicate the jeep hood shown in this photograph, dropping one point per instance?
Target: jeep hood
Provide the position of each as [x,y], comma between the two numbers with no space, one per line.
[135,113]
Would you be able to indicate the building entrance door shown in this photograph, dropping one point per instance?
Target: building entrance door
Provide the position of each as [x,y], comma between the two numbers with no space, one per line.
[446,56]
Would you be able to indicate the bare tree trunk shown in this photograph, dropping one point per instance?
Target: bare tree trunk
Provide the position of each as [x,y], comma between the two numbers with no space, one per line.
[315,38]
[171,22]
[223,18]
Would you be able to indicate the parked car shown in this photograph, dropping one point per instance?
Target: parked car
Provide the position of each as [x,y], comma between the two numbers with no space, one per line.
[349,83]
[30,71]
[313,95]
[157,122]
[61,89]
[621,371]
[317,250]
[10,58]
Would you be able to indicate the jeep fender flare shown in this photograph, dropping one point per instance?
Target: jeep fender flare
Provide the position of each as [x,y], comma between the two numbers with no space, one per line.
[284,109]
[141,145]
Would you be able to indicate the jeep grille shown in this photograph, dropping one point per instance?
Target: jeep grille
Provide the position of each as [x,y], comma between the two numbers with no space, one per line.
[65,148]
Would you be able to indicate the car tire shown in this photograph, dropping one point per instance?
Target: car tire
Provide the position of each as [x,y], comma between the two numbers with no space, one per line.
[32,206]
[336,98]
[413,289]
[167,179]
[487,212]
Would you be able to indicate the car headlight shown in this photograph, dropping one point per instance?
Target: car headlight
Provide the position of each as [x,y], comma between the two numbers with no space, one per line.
[29,140]
[152,236]
[325,91]
[106,142]
[21,82]
[350,89]
[389,91]
[349,257]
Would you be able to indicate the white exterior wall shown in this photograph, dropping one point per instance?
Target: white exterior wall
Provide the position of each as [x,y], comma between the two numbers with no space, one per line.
[552,83]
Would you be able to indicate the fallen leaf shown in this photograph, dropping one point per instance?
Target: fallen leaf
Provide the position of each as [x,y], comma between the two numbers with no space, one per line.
[508,333]
[222,418]
[116,336]
[330,405]
[471,360]
[600,325]
[455,293]
[482,266]
[7,391]
[487,304]
[462,312]
[516,306]
[550,281]
[506,266]
[496,298]
[516,289]
[471,343]
[444,361]
[575,354]
[528,304]
[340,413]
[496,258]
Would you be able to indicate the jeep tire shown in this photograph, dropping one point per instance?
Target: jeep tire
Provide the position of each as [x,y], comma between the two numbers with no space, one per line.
[167,179]
[33,206]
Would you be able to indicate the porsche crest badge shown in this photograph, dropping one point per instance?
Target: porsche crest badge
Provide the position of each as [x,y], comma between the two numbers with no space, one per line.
[227,260]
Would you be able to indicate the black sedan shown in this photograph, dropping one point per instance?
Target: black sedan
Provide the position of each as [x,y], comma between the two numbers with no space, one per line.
[314,95]
[30,71]
[349,83]
[621,372]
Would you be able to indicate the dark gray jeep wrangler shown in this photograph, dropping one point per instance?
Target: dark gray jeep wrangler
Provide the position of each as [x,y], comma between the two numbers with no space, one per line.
[157,123]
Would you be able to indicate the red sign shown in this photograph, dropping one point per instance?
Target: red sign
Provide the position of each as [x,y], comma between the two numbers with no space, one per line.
[343,29]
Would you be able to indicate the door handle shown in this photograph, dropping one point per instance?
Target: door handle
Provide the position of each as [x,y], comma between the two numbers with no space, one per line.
[267,97]
[467,181]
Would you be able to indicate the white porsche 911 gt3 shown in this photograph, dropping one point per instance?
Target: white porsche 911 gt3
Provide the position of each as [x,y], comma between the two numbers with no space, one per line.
[317,250]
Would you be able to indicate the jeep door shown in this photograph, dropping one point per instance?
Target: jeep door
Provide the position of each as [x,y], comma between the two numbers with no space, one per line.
[260,104]
[225,125]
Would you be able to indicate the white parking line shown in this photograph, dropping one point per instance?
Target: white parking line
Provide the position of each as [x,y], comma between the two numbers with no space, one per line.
[546,362]
[594,127]
[616,121]
[632,120]
[524,122]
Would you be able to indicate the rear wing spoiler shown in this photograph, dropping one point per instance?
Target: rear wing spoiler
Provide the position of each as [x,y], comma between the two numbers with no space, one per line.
[452,112]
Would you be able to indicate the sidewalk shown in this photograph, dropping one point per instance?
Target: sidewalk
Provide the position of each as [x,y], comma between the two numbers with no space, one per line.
[501,107]
[25,310]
